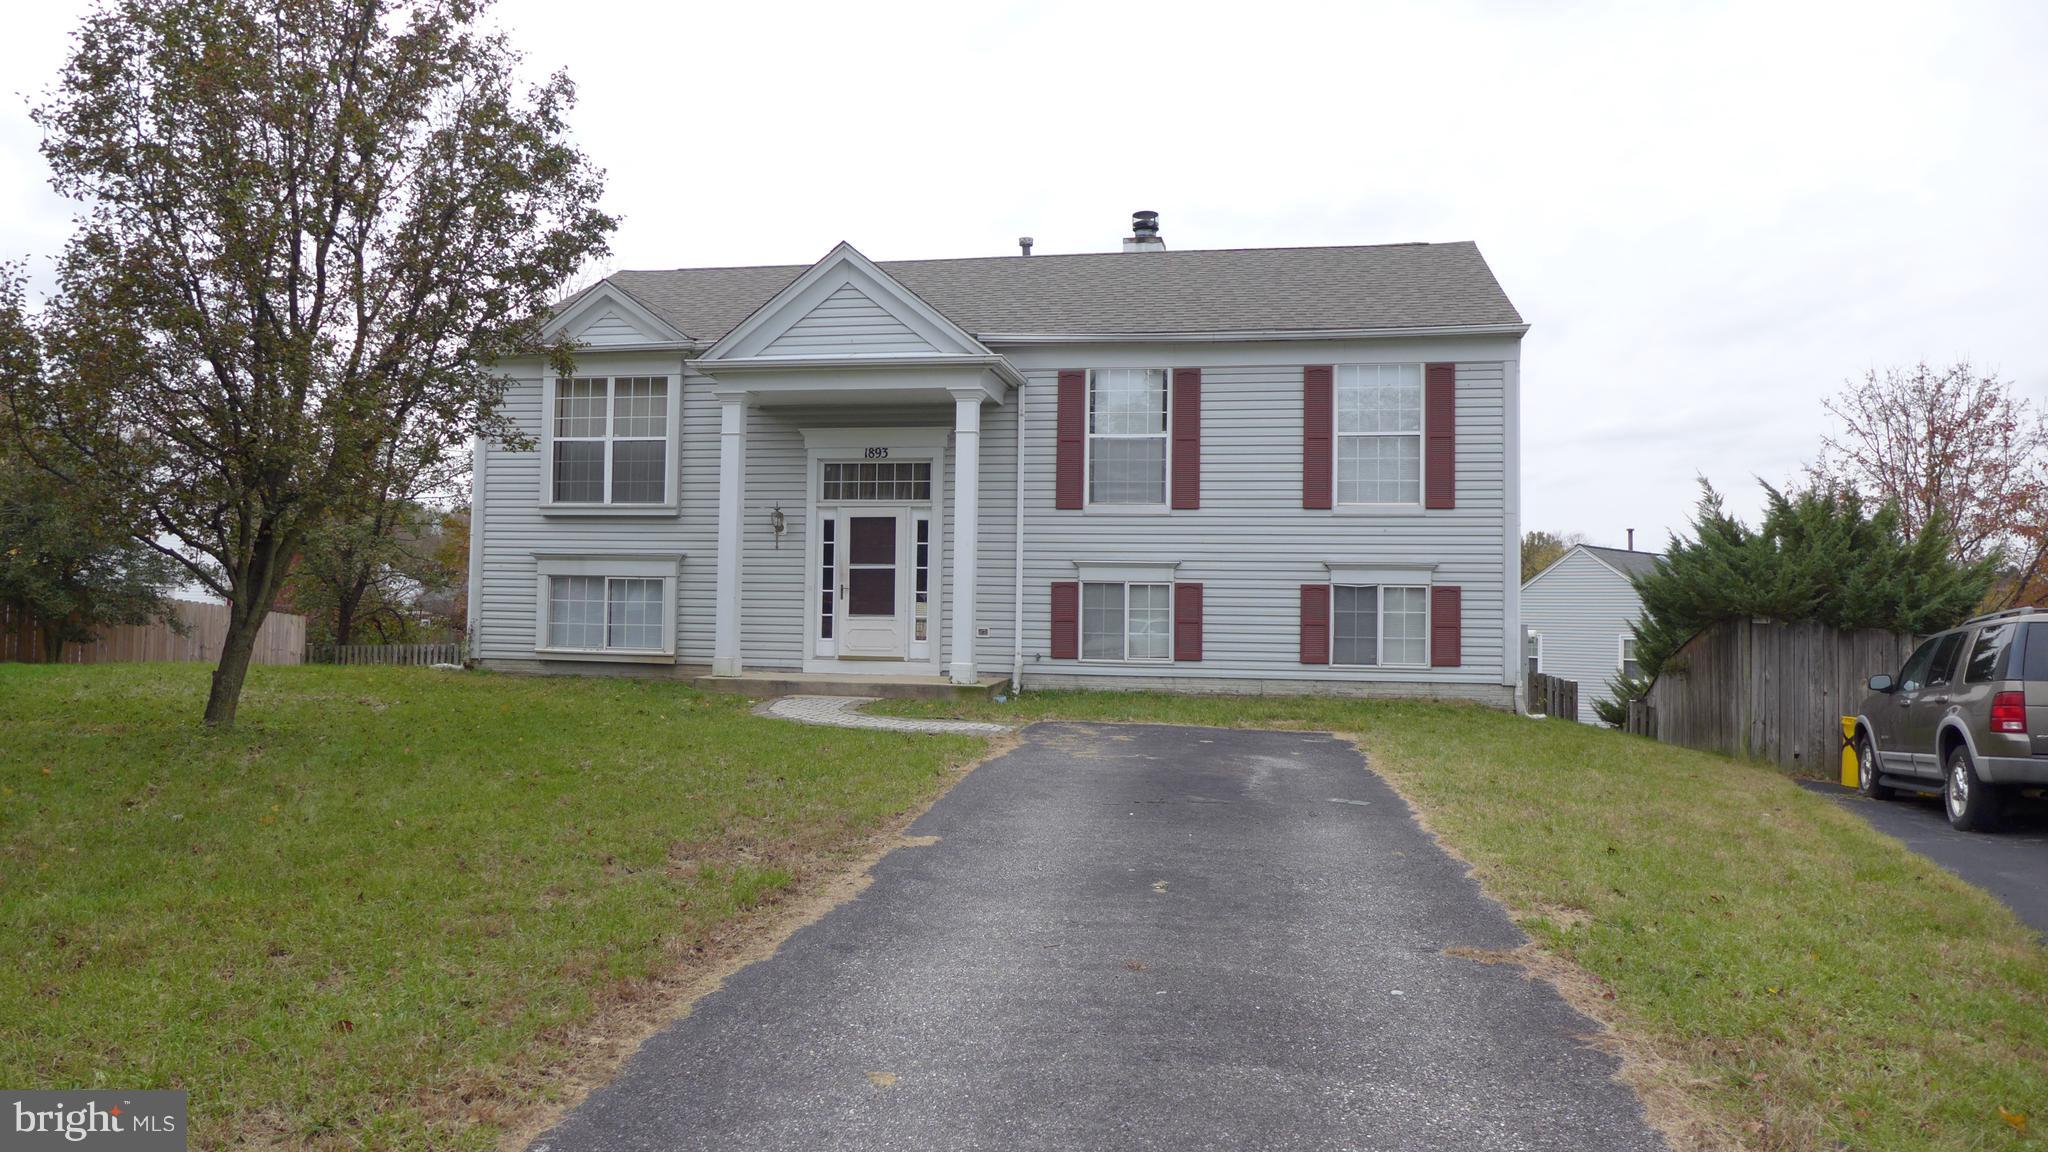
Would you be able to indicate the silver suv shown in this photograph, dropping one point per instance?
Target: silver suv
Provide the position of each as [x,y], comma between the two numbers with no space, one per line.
[1966,717]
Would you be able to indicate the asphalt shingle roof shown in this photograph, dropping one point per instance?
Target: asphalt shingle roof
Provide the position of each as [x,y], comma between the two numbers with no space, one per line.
[1218,290]
[1624,561]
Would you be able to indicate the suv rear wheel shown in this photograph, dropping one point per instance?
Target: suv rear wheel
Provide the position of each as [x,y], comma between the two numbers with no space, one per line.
[1866,770]
[1972,804]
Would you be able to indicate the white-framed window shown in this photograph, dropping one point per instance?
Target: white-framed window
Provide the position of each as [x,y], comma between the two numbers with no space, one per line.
[1379,433]
[1379,625]
[609,441]
[606,606]
[1127,436]
[1626,657]
[1126,622]
[1532,651]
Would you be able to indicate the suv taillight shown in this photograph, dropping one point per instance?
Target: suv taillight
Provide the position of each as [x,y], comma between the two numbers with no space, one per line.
[2009,713]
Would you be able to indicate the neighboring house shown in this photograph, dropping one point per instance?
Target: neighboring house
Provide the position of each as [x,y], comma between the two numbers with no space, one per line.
[1287,469]
[1576,616]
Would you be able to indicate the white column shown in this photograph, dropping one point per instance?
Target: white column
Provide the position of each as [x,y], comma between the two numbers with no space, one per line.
[732,504]
[966,519]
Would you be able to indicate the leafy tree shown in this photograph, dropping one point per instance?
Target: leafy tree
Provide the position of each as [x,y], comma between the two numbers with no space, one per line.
[371,569]
[68,560]
[1955,446]
[1819,555]
[1541,549]
[310,228]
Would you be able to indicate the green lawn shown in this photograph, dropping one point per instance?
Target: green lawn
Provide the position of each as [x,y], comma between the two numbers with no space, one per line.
[374,913]
[1813,984]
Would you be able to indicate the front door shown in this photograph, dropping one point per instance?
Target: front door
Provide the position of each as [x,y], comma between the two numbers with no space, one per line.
[875,625]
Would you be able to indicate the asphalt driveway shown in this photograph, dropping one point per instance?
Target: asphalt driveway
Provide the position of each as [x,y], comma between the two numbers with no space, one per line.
[1136,937]
[2011,863]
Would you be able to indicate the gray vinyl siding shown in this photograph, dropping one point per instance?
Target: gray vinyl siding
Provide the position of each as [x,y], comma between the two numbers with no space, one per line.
[514,528]
[847,323]
[1251,544]
[1582,608]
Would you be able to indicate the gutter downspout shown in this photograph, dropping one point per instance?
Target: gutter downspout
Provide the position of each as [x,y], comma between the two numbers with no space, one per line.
[478,448]
[1017,622]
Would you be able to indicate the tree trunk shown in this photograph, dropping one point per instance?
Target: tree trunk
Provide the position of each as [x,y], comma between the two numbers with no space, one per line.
[345,607]
[235,652]
[53,644]
[248,607]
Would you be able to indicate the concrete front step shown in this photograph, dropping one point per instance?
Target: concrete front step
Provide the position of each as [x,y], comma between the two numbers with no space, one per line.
[845,684]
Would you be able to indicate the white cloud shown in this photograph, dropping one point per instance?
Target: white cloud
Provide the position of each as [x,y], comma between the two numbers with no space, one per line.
[1711,214]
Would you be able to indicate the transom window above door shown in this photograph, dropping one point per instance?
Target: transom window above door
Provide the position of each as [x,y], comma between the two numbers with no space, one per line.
[610,441]
[1379,433]
[877,480]
[1127,436]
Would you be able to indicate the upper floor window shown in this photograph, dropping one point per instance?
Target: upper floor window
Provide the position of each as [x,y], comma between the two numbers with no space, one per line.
[611,438]
[1379,433]
[1629,667]
[1127,421]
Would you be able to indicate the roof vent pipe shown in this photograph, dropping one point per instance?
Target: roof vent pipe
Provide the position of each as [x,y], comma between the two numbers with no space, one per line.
[1025,242]
[1144,235]
[1631,539]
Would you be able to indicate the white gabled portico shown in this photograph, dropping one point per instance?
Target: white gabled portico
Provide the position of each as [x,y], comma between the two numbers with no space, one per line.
[845,335]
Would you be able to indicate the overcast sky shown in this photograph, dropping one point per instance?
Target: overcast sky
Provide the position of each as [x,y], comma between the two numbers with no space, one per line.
[1711,215]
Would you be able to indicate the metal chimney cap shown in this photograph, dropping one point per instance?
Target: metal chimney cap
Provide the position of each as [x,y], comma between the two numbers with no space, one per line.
[1025,243]
[1145,223]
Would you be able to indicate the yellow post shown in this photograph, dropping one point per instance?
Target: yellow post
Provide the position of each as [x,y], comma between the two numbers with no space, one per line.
[1850,774]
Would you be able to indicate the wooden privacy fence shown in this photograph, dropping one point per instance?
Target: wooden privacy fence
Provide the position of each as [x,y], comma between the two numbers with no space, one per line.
[281,640]
[1767,690]
[1554,696]
[412,655]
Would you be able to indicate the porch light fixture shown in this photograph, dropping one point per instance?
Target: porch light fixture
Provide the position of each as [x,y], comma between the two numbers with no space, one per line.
[778,523]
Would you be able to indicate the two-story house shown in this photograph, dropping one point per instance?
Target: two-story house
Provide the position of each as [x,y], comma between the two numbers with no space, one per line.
[1256,470]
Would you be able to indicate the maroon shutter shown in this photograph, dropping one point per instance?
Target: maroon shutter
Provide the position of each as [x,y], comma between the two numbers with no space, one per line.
[1440,454]
[1315,623]
[1069,439]
[1187,622]
[1066,620]
[1187,437]
[1446,626]
[1315,436]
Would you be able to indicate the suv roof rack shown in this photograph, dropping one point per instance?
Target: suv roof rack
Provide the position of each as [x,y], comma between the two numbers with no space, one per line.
[2027,611]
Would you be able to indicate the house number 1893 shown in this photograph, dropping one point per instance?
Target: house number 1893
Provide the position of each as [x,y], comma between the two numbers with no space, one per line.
[878,454]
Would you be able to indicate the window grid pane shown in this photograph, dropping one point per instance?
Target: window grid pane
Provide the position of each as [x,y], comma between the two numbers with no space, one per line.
[639,471]
[1379,433]
[579,408]
[827,575]
[1127,423]
[1354,625]
[579,471]
[922,610]
[1102,622]
[633,619]
[870,480]
[640,407]
[1150,622]
[576,612]
[1404,623]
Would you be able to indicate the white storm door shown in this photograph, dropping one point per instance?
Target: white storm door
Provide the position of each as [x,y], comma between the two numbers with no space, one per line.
[874,594]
